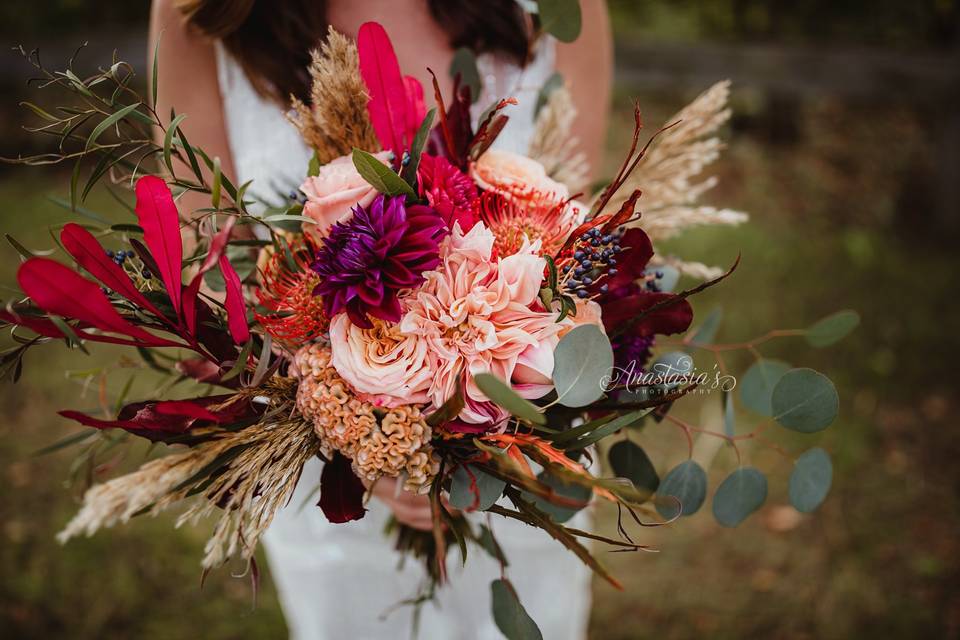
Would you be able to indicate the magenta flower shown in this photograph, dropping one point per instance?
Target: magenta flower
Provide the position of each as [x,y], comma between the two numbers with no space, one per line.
[448,190]
[381,250]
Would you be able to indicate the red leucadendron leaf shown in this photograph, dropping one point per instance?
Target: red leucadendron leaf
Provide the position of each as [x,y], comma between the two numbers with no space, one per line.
[234,304]
[668,320]
[157,214]
[217,246]
[389,103]
[59,290]
[90,255]
[341,492]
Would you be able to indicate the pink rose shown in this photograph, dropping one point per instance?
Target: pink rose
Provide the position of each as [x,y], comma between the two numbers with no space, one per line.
[382,365]
[335,190]
[515,176]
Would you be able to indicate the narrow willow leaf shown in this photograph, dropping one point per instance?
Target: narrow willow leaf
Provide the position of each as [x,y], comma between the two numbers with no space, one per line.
[284,217]
[25,253]
[512,619]
[488,541]
[608,429]
[462,495]
[560,18]
[687,483]
[217,184]
[743,492]
[409,172]
[805,401]
[464,63]
[501,394]
[756,386]
[380,176]
[629,460]
[154,78]
[582,363]
[241,362]
[833,328]
[108,122]
[68,441]
[810,481]
[168,142]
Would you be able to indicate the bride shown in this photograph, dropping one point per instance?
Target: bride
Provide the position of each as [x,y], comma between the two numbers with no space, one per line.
[231,65]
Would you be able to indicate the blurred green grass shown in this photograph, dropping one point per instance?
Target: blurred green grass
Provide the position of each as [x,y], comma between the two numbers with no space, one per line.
[828,232]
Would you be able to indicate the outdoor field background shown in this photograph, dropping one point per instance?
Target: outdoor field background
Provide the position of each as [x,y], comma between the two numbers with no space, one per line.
[844,148]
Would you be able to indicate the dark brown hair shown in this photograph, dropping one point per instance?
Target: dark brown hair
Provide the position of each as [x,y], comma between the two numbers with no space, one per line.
[272,39]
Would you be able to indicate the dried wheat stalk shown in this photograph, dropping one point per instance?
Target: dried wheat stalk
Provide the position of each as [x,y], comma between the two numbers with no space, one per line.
[336,120]
[553,144]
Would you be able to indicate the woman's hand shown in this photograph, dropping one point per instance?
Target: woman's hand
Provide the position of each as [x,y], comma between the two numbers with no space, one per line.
[409,508]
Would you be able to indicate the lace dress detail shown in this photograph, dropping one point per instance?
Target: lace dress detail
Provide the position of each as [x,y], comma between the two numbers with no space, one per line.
[337,580]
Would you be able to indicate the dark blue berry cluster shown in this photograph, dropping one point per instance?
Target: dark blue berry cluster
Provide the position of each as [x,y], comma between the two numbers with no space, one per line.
[652,284]
[298,196]
[120,257]
[595,256]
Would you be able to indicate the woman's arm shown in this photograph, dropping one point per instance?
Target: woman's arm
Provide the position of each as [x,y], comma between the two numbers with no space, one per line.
[587,64]
[187,81]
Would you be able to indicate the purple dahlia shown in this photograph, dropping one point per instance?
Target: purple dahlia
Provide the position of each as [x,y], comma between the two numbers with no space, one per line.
[367,260]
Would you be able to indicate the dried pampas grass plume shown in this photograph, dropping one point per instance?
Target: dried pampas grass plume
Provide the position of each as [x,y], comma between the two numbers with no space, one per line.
[336,120]
[553,144]
[667,174]
[246,476]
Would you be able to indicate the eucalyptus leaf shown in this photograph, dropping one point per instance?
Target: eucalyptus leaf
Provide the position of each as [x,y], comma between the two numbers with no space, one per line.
[501,394]
[512,619]
[464,63]
[756,386]
[566,489]
[743,492]
[810,481]
[461,494]
[630,461]
[560,18]
[729,415]
[687,482]
[833,328]
[582,363]
[380,176]
[707,331]
[554,82]
[669,277]
[804,400]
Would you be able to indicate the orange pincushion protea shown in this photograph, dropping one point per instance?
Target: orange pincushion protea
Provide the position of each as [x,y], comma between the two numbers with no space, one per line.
[538,216]
[294,315]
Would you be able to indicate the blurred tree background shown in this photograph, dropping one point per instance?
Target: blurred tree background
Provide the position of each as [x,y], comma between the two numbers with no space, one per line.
[844,147]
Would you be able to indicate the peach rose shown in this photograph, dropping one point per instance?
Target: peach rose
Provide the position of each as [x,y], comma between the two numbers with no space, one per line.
[383,366]
[335,190]
[515,176]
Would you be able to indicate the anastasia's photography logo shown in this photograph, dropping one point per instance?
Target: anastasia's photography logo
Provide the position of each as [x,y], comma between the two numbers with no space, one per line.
[666,373]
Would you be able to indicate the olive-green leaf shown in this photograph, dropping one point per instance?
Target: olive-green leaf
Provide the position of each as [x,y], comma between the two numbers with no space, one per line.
[810,481]
[805,401]
[687,482]
[630,461]
[743,492]
[465,64]
[512,619]
[501,394]
[108,122]
[833,328]
[380,176]
[582,363]
[756,386]
[462,495]
[560,18]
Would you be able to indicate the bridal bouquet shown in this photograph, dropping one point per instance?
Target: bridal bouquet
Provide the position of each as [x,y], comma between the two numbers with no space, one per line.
[425,307]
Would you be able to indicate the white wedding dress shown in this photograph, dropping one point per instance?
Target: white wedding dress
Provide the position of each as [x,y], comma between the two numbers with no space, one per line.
[337,581]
